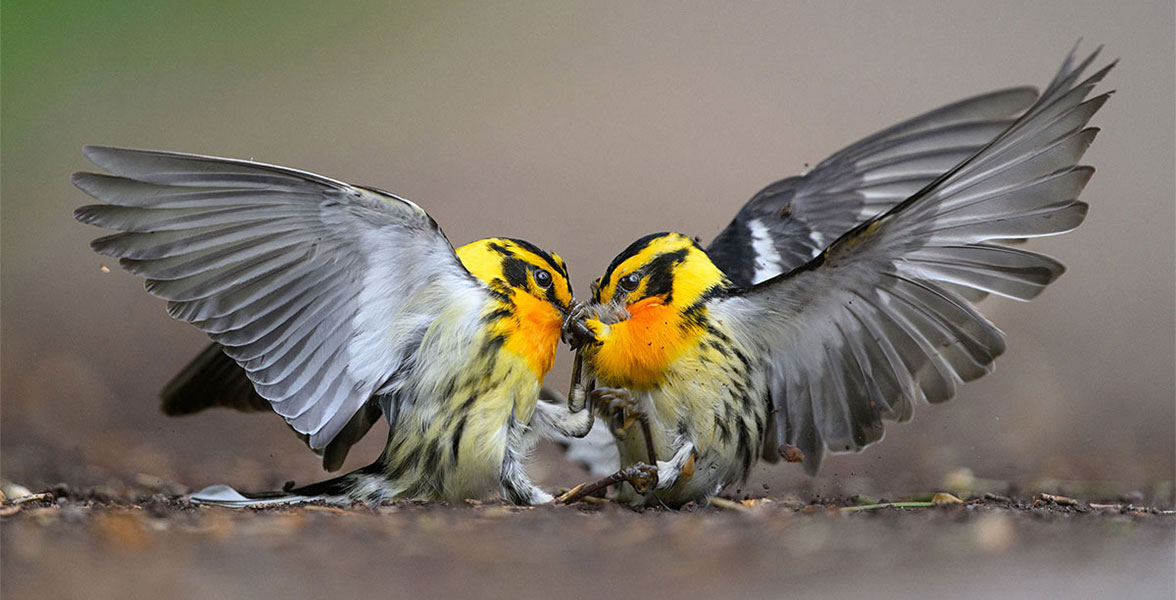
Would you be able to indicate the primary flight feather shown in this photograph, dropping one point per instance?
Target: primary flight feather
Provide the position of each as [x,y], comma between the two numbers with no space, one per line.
[838,299]
[333,304]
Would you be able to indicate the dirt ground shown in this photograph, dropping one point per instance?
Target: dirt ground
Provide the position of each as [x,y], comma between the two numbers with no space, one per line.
[145,542]
[580,127]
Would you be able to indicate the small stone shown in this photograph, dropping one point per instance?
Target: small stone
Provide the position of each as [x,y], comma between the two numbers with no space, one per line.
[790,453]
[12,491]
[945,498]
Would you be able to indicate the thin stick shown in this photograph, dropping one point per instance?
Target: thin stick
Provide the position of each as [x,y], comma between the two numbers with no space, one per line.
[645,430]
[888,505]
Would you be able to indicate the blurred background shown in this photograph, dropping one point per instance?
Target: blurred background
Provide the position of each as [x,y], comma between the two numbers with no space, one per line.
[579,127]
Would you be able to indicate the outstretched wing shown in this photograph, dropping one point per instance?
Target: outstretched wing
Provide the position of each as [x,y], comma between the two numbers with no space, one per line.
[787,223]
[318,289]
[861,332]
[211,379]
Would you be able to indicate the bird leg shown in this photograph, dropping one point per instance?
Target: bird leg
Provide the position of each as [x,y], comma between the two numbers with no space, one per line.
[551,420]
[577,398]
[623,411]
[618,404]
[641,476]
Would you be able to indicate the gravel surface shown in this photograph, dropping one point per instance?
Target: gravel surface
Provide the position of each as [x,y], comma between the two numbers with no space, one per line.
[145,543]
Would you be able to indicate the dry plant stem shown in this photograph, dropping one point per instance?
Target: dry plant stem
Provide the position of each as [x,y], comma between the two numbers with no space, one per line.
[888,505]
[719,502]
[648,437]
[626,474]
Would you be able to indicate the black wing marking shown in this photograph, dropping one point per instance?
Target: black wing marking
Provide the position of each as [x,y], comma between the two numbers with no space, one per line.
[787,223]
[869,327]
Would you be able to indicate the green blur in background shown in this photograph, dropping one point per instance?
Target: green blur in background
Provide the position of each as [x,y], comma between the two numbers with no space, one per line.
[578,126]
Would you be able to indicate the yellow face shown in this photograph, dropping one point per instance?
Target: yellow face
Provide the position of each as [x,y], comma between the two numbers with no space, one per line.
[652,303]
[520,265]
[669,266]
[532,291]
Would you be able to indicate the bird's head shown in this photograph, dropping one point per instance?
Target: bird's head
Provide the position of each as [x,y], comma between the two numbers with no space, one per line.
[665,269]
[519,267]
[531,291]
[648,310]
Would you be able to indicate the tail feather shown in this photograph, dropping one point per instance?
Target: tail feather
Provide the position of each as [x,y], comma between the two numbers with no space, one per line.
[338,491]
[223,495]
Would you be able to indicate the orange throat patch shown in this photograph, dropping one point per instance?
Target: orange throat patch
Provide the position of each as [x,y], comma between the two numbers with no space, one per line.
[534,334]
[635,353]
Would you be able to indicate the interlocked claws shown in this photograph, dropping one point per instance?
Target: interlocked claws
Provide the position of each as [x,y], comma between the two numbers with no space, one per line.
[616,403]
[622,409]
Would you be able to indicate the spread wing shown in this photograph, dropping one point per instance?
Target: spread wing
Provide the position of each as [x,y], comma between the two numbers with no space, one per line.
[861,332]
[787,223]
[318,289]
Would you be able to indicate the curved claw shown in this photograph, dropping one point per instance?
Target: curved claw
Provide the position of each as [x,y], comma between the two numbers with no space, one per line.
[641,476]
[623,410]
[614,400]
[574,331]
[618,404]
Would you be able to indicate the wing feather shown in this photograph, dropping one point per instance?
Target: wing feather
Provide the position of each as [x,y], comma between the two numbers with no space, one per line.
[787,223]
[882,318]
[272,264]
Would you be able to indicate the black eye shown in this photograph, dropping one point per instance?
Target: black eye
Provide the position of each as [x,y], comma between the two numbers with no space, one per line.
[629,282]
[542,278]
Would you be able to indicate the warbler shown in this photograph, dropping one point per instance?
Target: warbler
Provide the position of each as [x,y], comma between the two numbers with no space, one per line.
[837,299]
[333,304]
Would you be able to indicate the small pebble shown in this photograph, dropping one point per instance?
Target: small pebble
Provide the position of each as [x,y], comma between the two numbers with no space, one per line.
[945,498]
[12,491]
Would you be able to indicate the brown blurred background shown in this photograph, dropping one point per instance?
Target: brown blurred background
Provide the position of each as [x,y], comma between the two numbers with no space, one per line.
[578,126]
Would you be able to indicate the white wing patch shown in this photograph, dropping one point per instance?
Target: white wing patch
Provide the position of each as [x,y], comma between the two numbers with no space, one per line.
[767,258]
[862,336]
[861,181]
[818,240]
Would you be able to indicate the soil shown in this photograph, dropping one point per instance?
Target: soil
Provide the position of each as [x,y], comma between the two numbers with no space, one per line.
[147,542]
